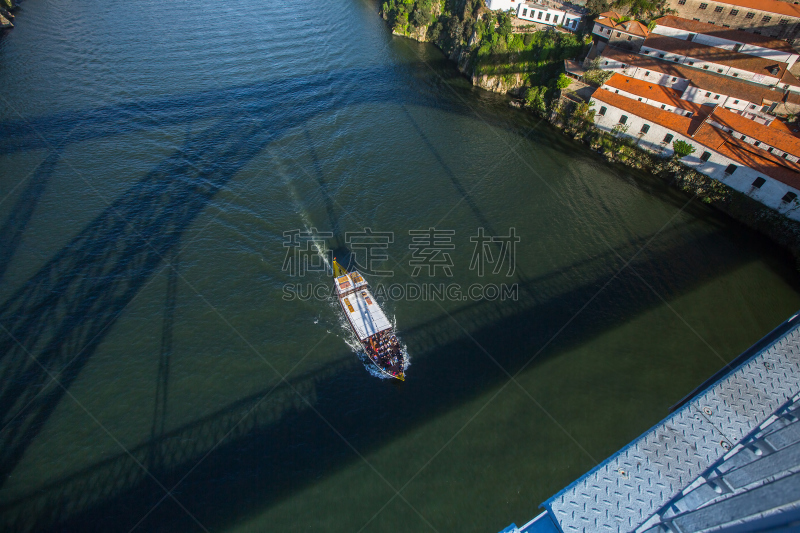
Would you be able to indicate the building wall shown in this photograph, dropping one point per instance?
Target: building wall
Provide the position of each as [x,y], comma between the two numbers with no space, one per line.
[502,5]
[727,44]
[649,101]
[770,194]
[717,68]
[549,16]
[731,16]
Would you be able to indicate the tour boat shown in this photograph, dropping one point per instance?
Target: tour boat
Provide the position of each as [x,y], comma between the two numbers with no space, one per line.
[368,322]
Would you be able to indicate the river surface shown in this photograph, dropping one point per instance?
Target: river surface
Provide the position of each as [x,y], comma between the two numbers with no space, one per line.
[162,367]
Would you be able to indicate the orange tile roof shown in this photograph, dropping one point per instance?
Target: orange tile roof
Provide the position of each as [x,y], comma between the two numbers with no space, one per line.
[772,136]
[780,125]
[790,79]
[634,27]
[748,155]
[673,121]
[741,89]
[721,56]
[725,33]
[710,137]
[653,91]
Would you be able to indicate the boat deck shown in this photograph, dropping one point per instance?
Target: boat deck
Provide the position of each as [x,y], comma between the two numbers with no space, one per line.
[366,317]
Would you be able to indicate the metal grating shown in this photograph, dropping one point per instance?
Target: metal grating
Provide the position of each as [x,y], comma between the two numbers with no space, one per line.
[631,486]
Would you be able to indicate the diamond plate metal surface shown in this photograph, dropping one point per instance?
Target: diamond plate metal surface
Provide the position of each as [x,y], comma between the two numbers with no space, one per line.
[634,484]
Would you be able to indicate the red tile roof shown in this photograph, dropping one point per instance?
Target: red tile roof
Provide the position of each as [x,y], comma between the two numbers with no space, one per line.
[634,27]
[748,155]
[740,89]
[721,56]
[772,136]
[737,150]
[653,91]
[790,79]
[725,33]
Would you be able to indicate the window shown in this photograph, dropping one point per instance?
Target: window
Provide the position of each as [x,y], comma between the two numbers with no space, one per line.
[629,37]
[676,59]
[708,94]
[663,106]
[734,12]
[719,70]
[770,149]
[602,111]
[606,63]
[645,129]
[525,12]
[667,139]
[750,15]
[691,63]
[766,18]
[691,37]
[737,47]
[647,73]
[617,91]
[736,101]
[711,22]
[555,19]
[705,156]
[744,138]
[689,113]
[788,197]
[547,17]
[660,55]
[716,97]
[674,79]
[703,5]
[718,9]
[759,182]
[757,143]
[725,26]
[705,67]
[640,99]
[623,119]
[646,52]
[785,155]
[619,34]
[735,74]
[681,2]
[731,169]
[698,20]
[540,18]
[784,22]
[752,107]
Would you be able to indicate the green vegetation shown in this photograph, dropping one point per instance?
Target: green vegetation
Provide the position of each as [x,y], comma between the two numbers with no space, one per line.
[682,149]
[642,10]
[530,63]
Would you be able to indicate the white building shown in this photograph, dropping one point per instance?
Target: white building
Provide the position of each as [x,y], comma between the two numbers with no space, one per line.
[728,39]
[772,179]
[543,14]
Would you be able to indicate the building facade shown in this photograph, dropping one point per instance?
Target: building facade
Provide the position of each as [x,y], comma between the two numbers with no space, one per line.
[763,17]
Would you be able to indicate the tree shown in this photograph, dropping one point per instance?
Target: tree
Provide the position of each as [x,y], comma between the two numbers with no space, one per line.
[682,149]
[563,81]
[534,98]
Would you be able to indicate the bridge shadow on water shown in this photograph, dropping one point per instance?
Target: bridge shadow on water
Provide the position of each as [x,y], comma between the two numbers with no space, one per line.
[282,445]
[53,324]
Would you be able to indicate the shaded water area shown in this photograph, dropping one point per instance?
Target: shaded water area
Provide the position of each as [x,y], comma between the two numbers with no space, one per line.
[154,376]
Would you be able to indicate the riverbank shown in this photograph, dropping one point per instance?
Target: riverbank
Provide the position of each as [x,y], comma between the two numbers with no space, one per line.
[576,120]
[530,66]
[6,15]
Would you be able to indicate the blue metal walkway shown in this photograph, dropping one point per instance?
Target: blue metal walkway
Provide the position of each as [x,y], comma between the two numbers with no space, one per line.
[728,459]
